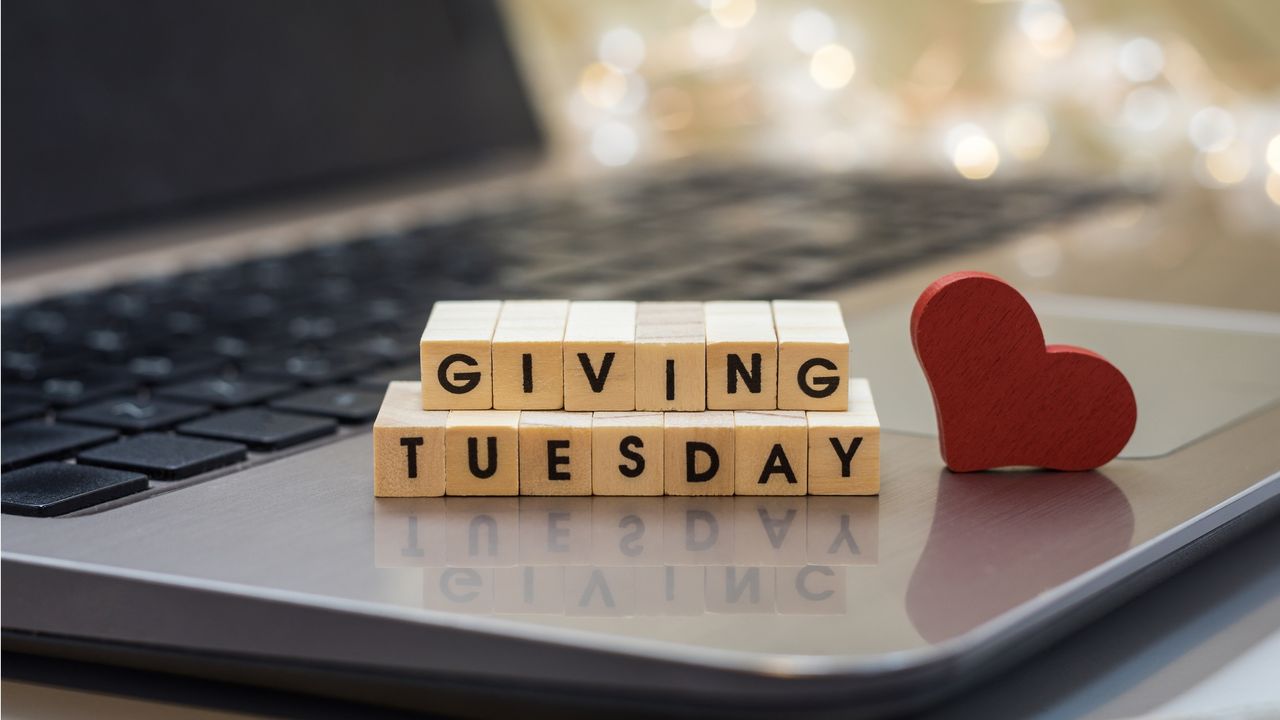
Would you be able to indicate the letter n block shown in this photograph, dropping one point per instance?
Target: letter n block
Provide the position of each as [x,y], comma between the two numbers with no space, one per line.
[771,449]
[742,356]
[699,453]
[408,445]
[555,453]
[813,355]
[626,453]
[482,452]
[455,355]
[844,447]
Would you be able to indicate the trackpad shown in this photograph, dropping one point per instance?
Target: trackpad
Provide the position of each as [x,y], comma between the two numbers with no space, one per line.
[1193,369]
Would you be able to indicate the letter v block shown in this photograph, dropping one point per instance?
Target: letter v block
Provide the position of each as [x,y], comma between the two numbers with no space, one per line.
[844,447]
[555,453]
[482,452]
[600,356]
[742,356]
[771,449]
[813,355]
[408,445]
[626,453]
[699,453]
[455,355]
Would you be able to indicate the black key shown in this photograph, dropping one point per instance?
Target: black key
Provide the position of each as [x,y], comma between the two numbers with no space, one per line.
[158,369]
[33,441]
[387,346]
[55,488]
[310,367]
[167,457]
[65,391]
[378,381]
[346,404]
[134,415]
[223,392]
[15,407]
[261,429]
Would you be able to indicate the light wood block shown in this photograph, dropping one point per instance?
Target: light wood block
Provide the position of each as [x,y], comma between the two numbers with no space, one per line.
[528,365]
[408,445]
[742,356]
[813,355]
[456,357]
[844,447]
[482,452]
[555,453]
[600,356]
[771,449]
[699,453]
[626,453]
[671,356]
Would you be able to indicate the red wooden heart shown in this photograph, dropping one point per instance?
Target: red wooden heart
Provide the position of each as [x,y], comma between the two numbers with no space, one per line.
[1005,398]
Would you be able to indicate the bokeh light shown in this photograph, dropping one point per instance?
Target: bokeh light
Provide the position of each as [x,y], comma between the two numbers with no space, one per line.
[832,66]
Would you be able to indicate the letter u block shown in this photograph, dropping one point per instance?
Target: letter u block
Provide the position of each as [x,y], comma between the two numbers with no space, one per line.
[626,453]
[699,453]
[813,355]
[456,355]
[408,445]
[482,452]
[555,453]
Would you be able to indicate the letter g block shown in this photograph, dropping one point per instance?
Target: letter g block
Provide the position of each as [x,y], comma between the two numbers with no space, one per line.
[456,355]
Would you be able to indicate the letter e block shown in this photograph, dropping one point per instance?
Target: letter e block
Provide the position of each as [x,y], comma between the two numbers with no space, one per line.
[528,366]
[456,355]
[844,447]
[813,355]
[555,453]
[626,453]
[742,356]
[699,453]
[600,356]
[408,445]
[482,452]
[771,448]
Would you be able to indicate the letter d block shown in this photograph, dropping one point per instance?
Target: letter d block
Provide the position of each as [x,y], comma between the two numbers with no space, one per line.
[626,453]
[844,447]
[455,352]
[699,453]
[813,355]
[771,447]
[408,445]
[555,453]
[482,452]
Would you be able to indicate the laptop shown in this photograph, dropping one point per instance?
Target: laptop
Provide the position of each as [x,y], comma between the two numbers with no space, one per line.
[229,221]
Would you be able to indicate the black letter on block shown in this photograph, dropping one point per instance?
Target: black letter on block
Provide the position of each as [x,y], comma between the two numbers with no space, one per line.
[846,456]
[826,385]
[554,461]
[777,463]
[526,364]
[596,381]
[473,457]
[736,367]
[671,379]
[625,447]
[691,450]
[469,379]
[411,444]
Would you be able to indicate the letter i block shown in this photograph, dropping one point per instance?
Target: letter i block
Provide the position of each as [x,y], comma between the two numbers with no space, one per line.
[699,453]
[742,356]
[813,355]
[600,356]
[671,356]
[771,450]
[626,453]
[844,447]
[555,453]
[482,452]
[455,355]
[408,445]
[528,367]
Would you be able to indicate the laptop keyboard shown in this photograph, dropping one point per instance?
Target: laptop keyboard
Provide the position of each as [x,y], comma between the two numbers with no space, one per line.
[267,355]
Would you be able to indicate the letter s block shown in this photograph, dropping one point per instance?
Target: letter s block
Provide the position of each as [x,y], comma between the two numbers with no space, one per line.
[456,355]
[813,355]
[482,452]
[699,453]
[626,453]
[408,445]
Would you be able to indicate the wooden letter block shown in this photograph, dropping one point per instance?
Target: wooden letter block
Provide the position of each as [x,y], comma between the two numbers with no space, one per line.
[844,447]
[699,453]
[528,367]
[626,453]
[555,453]
[742,356]
[408,445]
[771,448]
[600,356]
[455,352]
[813,354]
[671,356]
[482,452]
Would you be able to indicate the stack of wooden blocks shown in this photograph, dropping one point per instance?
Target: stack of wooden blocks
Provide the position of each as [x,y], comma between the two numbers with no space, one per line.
[552,397]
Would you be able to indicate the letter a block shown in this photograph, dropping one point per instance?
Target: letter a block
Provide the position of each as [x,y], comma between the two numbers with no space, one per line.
[600,356]
[555,453]
[408,445]
[482,452]
[742,356]
[671,356]
[455,355]
[626,453]
[844,447]
[813,355]
[528,367]
[771,450]
[699,453]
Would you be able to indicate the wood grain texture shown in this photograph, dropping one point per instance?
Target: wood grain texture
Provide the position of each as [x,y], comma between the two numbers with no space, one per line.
[699,453]
[482,452]
[813,354]
[528,365]
[671,356]
[770,452]
[742,356]
[627,453]
[555,453]
[599,356]
[455,355]
[408,445]
[1003,397]
[844,447]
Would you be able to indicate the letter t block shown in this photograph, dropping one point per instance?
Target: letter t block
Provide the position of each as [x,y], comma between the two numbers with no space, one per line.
[408,445]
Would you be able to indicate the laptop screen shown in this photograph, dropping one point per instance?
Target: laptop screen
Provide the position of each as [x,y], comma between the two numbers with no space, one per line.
[116,113]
